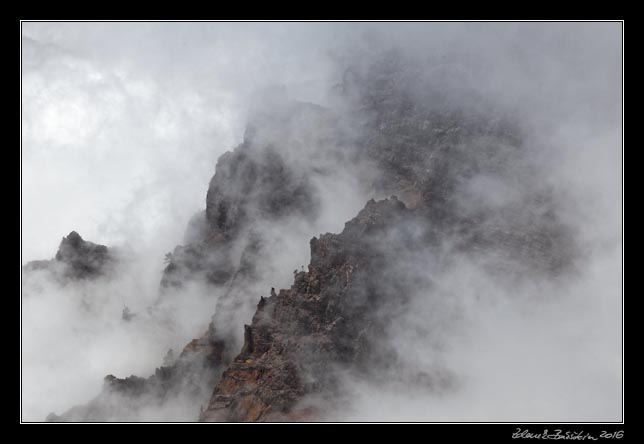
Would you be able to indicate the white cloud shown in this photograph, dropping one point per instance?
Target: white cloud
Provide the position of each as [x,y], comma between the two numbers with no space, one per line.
[122,125]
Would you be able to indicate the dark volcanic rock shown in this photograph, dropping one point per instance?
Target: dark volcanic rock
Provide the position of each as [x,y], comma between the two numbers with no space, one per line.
[249,185]
[443,148]
[77,259]
[444,160]
[253,184]
[463,176]
[84,259]
[329,317]
[266,179]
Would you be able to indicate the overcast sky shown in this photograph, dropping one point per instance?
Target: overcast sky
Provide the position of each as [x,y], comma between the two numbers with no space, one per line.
[122,123]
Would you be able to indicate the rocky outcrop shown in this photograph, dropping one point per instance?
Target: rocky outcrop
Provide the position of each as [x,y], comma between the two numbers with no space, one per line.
[77,259]
[260,181]
[443,160]
[332,317]
[439,159]
[461,159]
[266,179]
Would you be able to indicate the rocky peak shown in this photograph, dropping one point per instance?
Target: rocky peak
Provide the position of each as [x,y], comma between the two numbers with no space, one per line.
[336,314]
[329,317]
[267,178]
[77,258]
[84,259]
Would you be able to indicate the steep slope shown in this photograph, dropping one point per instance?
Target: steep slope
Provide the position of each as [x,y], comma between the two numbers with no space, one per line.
[329,317]
[442,155]
[260,182]
[444,161]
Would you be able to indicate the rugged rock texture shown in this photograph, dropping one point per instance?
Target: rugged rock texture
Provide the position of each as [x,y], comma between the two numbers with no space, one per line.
[266,179]
[442,155]
[77,259]
[443,148]
[328,318]
[443,161]
[258,182]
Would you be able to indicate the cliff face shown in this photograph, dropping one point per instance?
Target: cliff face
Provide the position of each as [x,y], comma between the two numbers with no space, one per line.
[440,163]
[267,181]
[258,183]
[267,178]
[252,184]
[328,318]
[336,317]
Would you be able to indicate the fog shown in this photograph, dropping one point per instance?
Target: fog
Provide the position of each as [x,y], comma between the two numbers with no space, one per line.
[123,123]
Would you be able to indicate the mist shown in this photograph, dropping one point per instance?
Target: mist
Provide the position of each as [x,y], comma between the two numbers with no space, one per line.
[123,124]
